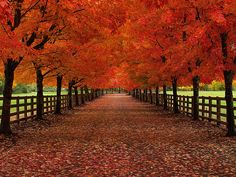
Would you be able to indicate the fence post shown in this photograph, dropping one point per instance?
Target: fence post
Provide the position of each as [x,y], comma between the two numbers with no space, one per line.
[32,106]
[210,109]
[218,110]
[25,107]
[47,105]
[18,109]
[165,98]
[184,106]
[187,105]
[151,99]
[203,108]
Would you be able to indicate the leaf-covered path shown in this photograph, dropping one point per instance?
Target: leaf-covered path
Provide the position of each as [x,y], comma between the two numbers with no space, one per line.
[119,136]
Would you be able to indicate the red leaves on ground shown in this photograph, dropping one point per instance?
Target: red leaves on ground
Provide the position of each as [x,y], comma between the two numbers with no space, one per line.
[117,136]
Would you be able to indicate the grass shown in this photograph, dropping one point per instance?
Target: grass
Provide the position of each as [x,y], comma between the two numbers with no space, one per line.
[35,93]
[203,93]
[209,94]
[206,94]
[21,101]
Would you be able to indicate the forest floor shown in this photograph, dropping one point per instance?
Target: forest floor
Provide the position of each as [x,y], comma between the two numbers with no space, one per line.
[118,136]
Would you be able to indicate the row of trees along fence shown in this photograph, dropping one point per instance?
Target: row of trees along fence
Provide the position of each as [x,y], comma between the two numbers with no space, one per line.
[212,109]
[25,107]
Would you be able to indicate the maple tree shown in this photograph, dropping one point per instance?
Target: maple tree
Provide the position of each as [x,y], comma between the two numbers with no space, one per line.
[187,37]
[137,45]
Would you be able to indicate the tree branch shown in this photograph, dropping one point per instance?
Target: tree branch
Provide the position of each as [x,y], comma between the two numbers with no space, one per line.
[29,9]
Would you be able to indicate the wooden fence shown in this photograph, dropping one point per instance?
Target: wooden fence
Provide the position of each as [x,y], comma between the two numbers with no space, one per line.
[212,109]
[23,108]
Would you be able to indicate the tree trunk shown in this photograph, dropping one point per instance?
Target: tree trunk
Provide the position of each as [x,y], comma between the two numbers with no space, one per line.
[96,93]
[151,99]
[99,92]
[165,98]
[58,102]
[157,96]
[140,94]
[146,95]
[40,103]
[86,93]
[82,95]
[70,99]
[92,94]
[228,76]
[9,68]
[76,96]
[143,96]
[195,103]
[142,99]
[175,95]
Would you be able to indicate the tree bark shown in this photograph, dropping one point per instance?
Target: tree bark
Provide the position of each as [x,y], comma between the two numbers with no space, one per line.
[9,68]
[99,92]
[228,76]
[151,99]
[143,96]
[76,96]
[40,103]
[87,98]
[175,95]
[58,102]
[157,96]
[133,93]
[70,105]
[95,93]
[140,94]
[82,95]
[195,103]
[146,95]
[92,94]
[165,98]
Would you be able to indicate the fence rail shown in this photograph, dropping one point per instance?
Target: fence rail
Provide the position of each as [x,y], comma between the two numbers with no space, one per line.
[23,108]
[212,109]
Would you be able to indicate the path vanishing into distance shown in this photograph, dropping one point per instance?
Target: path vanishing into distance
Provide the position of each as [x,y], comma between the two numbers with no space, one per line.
[118,136]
